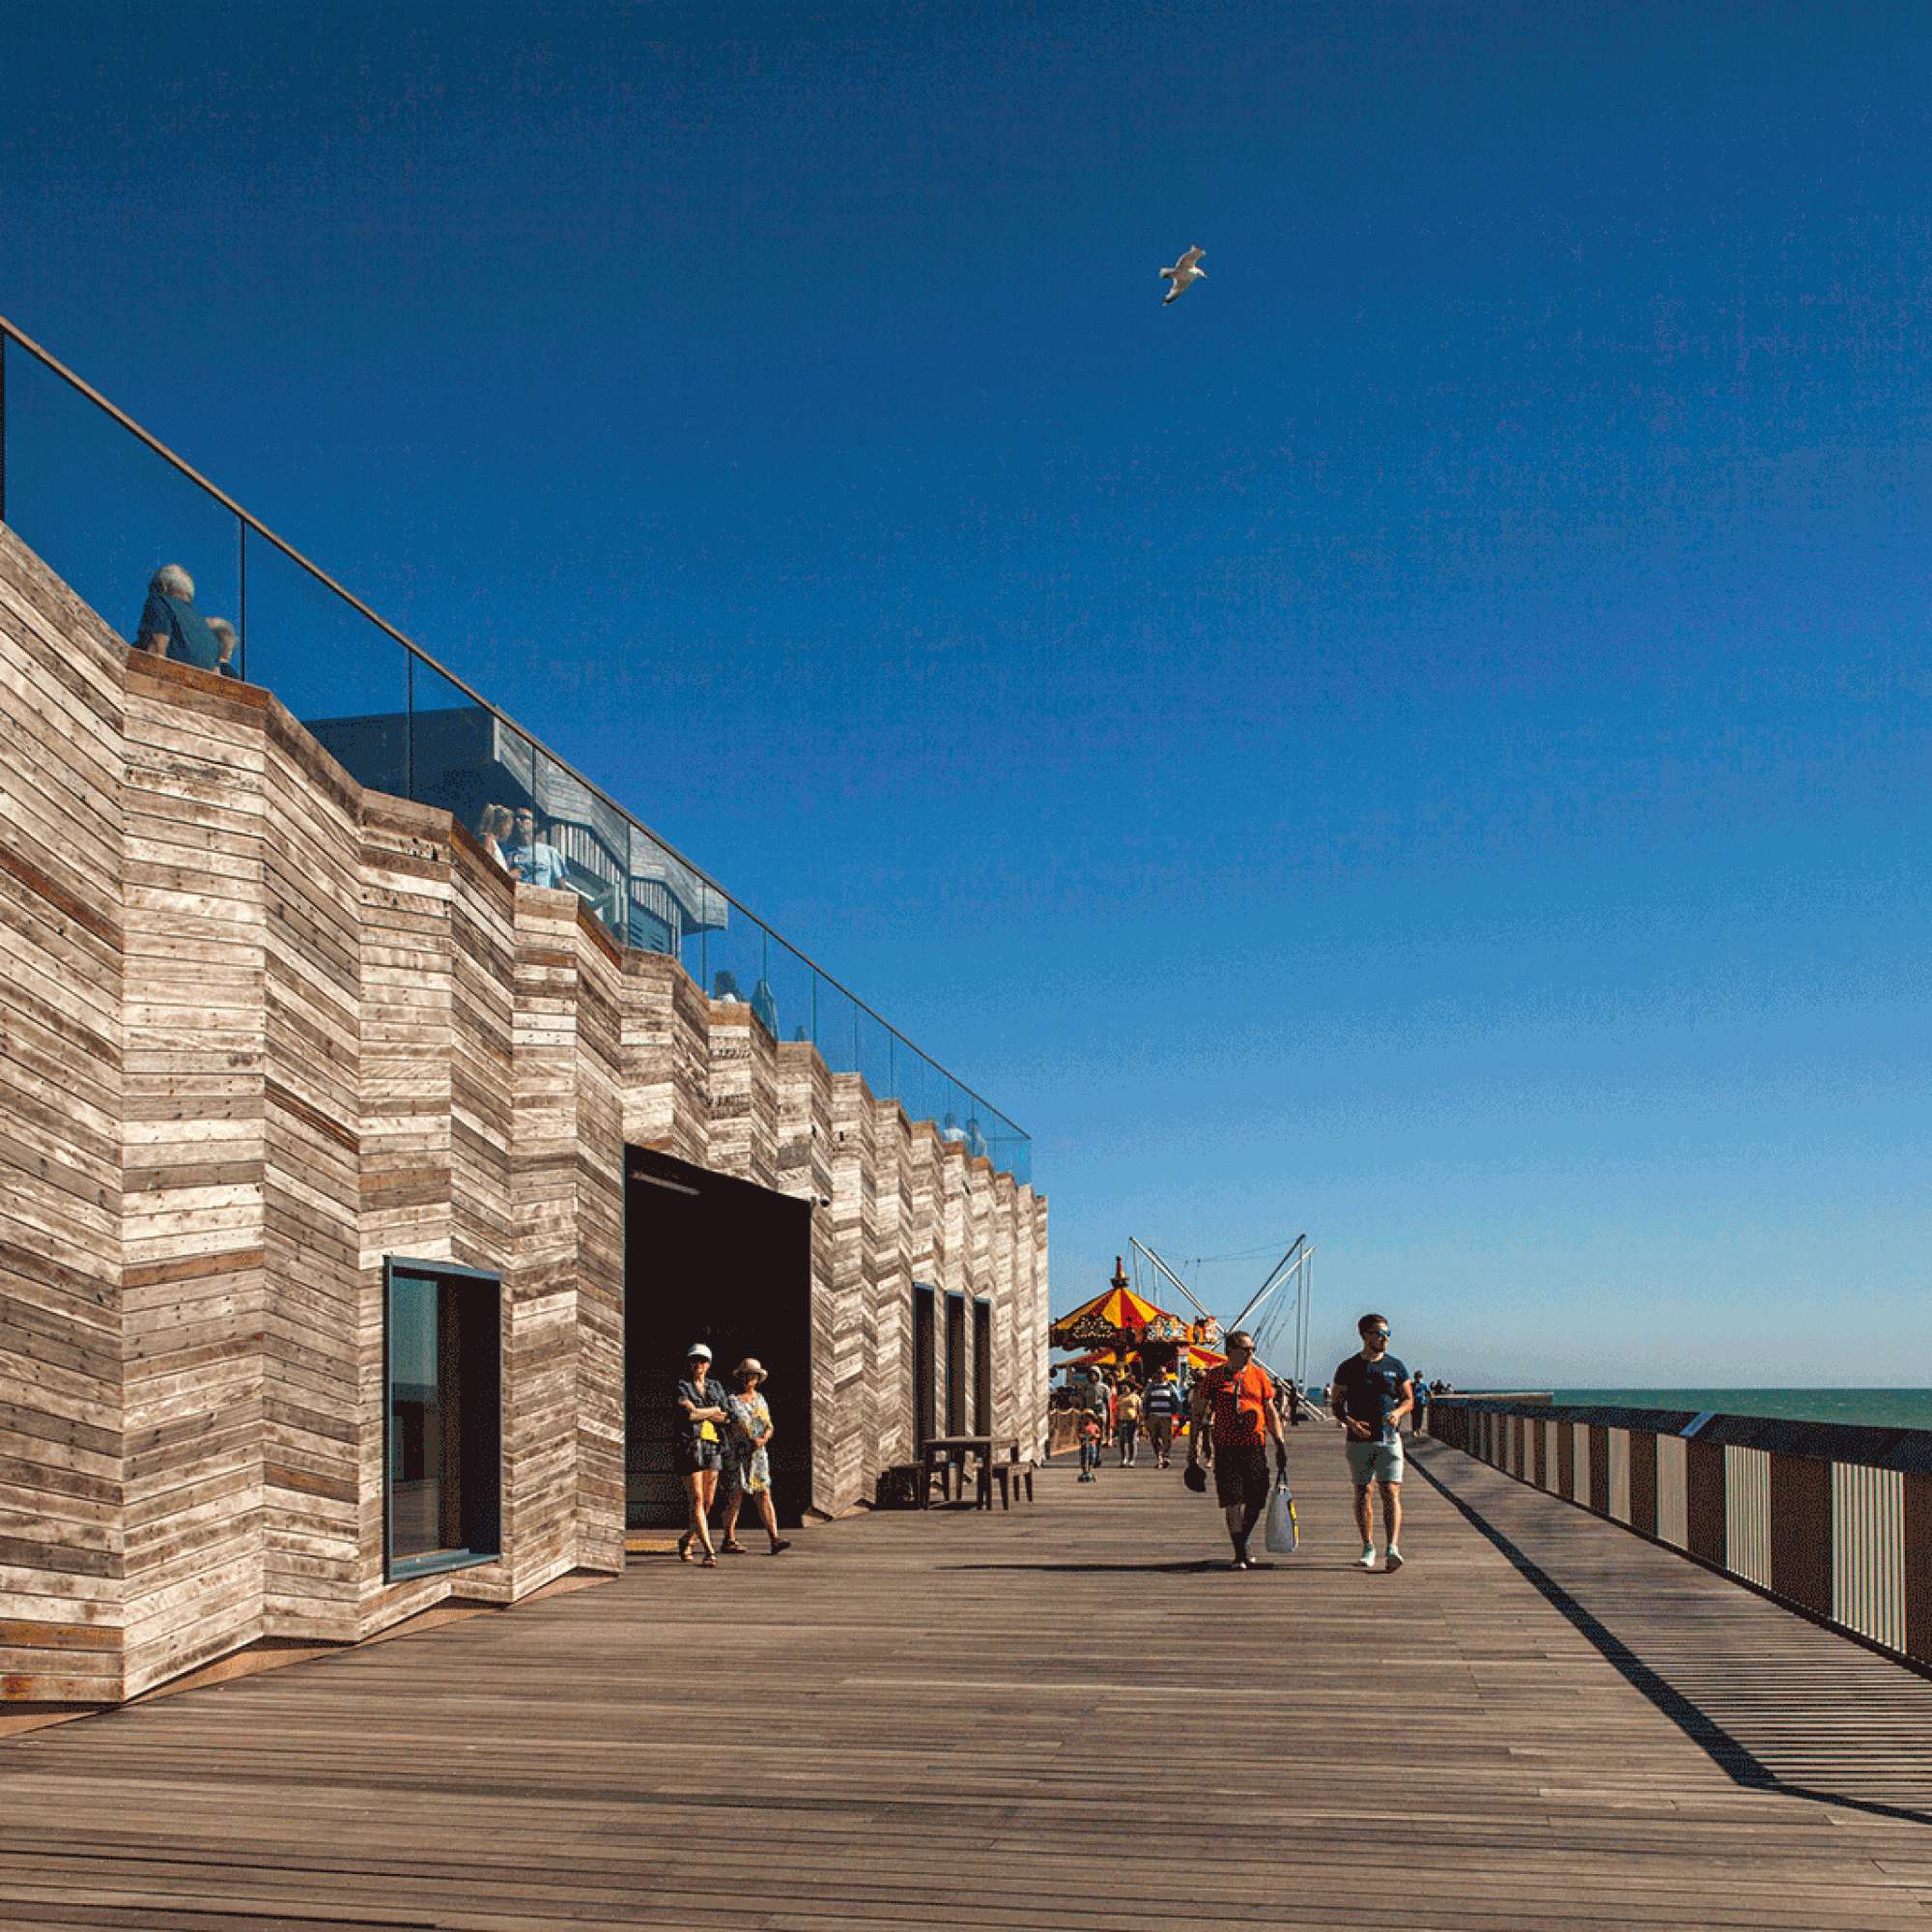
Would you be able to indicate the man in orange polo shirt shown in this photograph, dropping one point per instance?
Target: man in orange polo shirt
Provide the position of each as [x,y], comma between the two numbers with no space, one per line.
[1237,1402]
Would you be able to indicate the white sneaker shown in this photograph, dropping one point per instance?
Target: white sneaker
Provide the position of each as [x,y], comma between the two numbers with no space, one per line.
[1394,1558]
[1367,1559]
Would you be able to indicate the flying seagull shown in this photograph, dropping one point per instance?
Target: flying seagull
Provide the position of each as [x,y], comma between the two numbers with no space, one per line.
[1183,272]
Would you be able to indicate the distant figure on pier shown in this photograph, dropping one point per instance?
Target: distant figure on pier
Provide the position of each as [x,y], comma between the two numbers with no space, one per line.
[1098,1398]
[1163,1406]
[1369,1394]
[1090,1446]
[1127,1421]
[170,626]
[225,642]
[1235,1402]
[1419,1424]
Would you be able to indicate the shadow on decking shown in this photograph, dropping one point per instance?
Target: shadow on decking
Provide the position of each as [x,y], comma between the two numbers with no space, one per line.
[1877,1760]
[1194,1567]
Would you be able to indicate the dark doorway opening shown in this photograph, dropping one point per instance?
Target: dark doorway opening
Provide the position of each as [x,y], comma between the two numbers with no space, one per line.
[983,1367]
[711,1259]
[925,1366]
[955,1364]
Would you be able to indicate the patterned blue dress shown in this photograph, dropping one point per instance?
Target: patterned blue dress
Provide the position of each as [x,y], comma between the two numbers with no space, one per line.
[750,1467]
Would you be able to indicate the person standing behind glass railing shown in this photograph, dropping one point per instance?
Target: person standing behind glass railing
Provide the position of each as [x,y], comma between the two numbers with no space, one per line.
[491,830]
[225,642]
[170,627]
[535,860]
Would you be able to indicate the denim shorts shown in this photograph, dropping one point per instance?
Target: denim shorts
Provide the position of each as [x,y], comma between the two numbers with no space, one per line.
[1375,1461]
[689,1458]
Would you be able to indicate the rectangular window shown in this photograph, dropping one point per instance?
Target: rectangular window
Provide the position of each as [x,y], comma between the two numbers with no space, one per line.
[442,1367]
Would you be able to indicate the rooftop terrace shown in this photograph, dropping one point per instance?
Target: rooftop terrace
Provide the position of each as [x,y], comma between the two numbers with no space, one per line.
[1070,1716]
[105,504]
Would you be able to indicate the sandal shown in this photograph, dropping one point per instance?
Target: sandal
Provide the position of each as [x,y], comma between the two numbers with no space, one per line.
[707,1561]
[781,1543]
[734,1549]
[684,1555]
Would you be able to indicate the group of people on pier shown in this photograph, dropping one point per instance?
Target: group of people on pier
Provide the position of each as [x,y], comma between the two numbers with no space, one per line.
[720,1441]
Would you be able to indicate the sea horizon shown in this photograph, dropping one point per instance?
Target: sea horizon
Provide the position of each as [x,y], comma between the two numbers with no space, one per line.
[1867,1407]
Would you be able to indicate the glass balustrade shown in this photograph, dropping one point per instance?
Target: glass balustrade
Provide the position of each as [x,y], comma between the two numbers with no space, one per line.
[106,508]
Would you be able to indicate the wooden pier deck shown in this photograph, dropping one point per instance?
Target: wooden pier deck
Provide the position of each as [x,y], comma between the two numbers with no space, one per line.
[1064,1716]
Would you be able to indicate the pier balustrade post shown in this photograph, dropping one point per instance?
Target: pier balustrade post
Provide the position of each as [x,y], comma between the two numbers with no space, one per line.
[1704,1501]
[1600,1471]
[1566,1459]
[1800,1530]
[1919,1565]
[1643,1481]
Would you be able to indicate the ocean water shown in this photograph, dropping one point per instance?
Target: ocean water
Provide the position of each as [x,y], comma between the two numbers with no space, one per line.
[1875,1407]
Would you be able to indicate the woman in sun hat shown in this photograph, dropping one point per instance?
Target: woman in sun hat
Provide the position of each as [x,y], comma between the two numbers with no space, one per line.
[698,1450]
[747,1469]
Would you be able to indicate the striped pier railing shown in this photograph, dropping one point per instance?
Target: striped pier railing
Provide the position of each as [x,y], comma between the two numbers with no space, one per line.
[1833,1520]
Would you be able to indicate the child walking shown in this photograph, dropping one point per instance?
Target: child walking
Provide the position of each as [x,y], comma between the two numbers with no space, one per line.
[1090,1446]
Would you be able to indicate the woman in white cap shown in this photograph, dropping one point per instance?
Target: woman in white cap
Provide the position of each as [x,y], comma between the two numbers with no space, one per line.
[699,1451]
[746,1466]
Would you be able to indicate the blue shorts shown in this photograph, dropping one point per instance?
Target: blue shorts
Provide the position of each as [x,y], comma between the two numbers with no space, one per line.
[1375,1461]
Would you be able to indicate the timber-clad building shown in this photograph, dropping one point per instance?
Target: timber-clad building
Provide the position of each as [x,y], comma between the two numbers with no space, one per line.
[332,1158]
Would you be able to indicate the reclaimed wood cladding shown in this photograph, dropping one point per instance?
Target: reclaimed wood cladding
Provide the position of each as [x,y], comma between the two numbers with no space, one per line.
[262,1029]
[61,1104]
[598,1501]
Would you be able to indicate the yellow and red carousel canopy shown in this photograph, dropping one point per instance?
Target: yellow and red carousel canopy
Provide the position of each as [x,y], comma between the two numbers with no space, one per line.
[1120,1312]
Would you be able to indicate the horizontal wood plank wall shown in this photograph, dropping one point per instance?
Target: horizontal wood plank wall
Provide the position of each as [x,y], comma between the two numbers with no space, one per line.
[845,1245]
[541,1284]
[803,1143]
[197,1064]
[264,1029]
[598,1540]
[407,1130]
[312,1184]
[62,1109]
[888,1205]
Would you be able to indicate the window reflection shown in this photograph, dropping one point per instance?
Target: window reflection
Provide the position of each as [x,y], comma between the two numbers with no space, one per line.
[444,1417]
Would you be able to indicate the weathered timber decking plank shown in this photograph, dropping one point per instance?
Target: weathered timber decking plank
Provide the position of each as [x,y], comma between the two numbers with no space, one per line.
[969,1719]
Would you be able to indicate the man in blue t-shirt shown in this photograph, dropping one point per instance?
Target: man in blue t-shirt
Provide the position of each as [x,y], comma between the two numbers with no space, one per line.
[533,859]
[1369,1394]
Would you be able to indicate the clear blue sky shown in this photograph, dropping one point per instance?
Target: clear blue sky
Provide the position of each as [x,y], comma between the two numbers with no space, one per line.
[1421,741]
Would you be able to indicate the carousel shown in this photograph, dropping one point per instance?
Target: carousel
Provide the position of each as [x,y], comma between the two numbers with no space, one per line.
[1121,1330]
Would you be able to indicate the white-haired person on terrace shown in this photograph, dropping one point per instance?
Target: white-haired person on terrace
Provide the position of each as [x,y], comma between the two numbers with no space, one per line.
[170,626]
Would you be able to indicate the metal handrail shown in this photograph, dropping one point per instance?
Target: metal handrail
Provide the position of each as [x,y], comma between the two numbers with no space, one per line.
[1823,1516]
[8,332]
